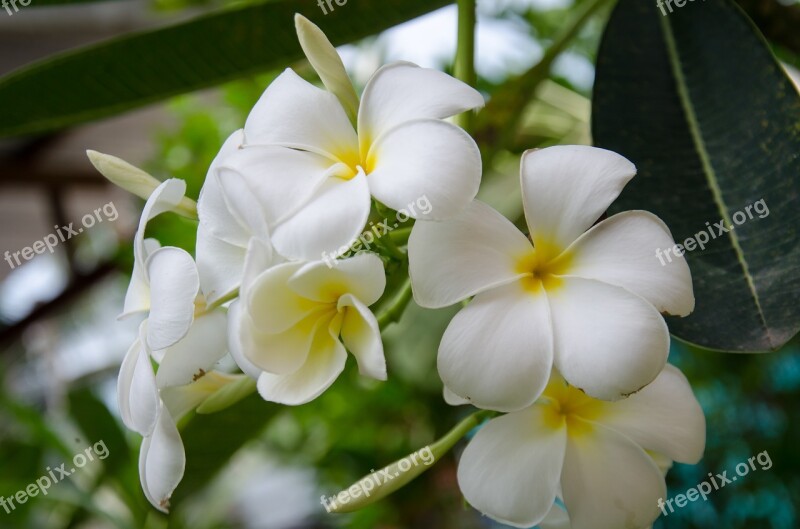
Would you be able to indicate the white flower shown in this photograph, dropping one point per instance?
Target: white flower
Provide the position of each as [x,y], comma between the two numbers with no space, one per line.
[285,327]
[587,303]
[313,173]
[587,451]
[180,333]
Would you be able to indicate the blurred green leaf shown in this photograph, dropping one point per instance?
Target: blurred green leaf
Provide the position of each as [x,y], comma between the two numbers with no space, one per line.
[698,102]
[98,424]
[131,71]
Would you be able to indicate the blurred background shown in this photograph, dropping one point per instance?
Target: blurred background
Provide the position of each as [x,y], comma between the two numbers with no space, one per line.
[259,465]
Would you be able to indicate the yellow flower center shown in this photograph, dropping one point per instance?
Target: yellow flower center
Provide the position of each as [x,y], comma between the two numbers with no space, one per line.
[542,266]
[355,157]
[565,404]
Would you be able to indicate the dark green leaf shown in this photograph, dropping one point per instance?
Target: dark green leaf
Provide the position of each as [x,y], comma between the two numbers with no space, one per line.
[697,101]
[98,425]
[135,70]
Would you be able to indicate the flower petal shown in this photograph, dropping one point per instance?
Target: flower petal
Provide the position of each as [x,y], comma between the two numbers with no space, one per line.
[137,298]
[137,393]
[162,461]
[294,113]
[278,353]
[165,197]
[557,518]
[609,482]
[330,222]
[323,366]
[426,159]
[664,417]
[275,307]
[622,251]
[511,469]
[235,315]
[195,355]
[181,400]
[608,342]
[402,91]
[452,399]
[282,179]
[361,275]
[362,337]
[219,265]
[174,285]
[566,188]
[457,258]
[497,352]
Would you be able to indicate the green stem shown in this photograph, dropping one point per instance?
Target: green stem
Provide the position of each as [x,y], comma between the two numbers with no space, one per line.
[464,67]
[400,236]
[221,301]
[393,312]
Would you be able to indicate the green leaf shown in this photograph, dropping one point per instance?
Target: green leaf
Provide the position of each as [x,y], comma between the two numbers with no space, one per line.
[211,440]
[98,425]
[135,70]
[698,102]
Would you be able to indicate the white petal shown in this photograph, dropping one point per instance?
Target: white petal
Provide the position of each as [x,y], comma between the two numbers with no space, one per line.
[162,461]
[242,203]
[361,275]
[272,305]
[609,482]
[278,353]
[457,258]
[196,354]
[426,159]
[282,179]
[622,250]
[174,286]
[137,393]
[323,366]
[452,399]
[213,209]
[362,337]
[608,342]
[258,259]
[511,469]
[664,417]
[219,265]
[557,518]
[332,220]
[402,91]
[137,298]
[497,352]
[294,113]
[165,197]
[181,400]
[235,343]
[566,188]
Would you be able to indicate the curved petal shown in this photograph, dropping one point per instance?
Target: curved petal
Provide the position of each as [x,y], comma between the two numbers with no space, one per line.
[323,366]
[452,399]
[219,265]
[294,113]
[282,179]
[195,355]
[457,258]
[608,481]
[162,461]
[511,469]
[180,400]
[608,342]
[623,250]
[361,275]
[137,298]
[278,353]
[566,188]
[165,197]
[328,224]
[235,322]
[425,159]
[402,91]
[557,518]
[362,337]
[137,393]
[497,352]
[273,305]
[174,285]
[664,417]
[258,259]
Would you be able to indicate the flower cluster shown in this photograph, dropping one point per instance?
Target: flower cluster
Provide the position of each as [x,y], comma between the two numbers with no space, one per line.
[562,332]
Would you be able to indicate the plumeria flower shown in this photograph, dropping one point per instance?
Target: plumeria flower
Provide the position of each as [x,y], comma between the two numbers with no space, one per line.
[587,303]
[229,217]
[589,452]
[181,333]
[314,172]
[285,329]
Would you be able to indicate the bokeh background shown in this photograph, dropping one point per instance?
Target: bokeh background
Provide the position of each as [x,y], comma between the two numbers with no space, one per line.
[263,466]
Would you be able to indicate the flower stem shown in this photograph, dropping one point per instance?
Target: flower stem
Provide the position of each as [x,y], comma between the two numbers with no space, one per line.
[464,67]
[394,311]
[221,301]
